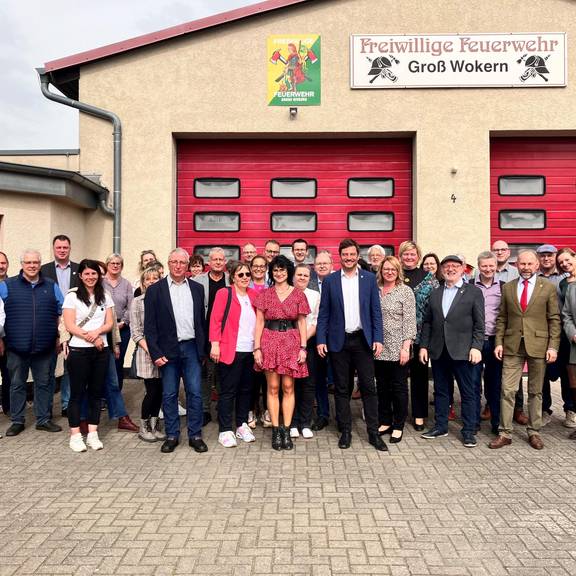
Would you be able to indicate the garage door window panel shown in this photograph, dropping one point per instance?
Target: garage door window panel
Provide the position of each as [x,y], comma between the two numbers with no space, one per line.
[522,219]
[217,222]
[217,188]
[521,185]
[293,222]
[370,221]
[231,252]
[370,187]
[293,188]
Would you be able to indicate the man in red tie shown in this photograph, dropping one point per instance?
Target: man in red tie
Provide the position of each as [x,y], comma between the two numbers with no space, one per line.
[527,331]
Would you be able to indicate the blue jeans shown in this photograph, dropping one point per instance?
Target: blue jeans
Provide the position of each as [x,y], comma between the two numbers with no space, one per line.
[187,367]
[18,366]
[112,392]
[444,369]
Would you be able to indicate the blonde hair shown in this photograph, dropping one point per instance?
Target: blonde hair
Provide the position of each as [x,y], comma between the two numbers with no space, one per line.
[396,263]
[409,245]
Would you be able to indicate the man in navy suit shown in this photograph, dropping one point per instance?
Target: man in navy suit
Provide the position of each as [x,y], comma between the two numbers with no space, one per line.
[453,338]
[350,330]
[175,331]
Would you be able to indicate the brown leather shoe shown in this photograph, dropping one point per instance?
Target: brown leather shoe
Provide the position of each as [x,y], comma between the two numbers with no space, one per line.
[486,415]
[500,442]
[536,442]
[126,424]
[520,417]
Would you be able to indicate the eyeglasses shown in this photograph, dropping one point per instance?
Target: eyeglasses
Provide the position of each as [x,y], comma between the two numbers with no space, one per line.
[389,270]
[243,275]
[272,251]
[114,263]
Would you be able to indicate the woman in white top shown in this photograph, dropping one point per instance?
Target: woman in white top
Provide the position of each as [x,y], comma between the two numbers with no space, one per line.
[87,313]
[306,387]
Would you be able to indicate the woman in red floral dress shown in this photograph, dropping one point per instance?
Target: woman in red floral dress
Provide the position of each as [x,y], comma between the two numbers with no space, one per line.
[280,344]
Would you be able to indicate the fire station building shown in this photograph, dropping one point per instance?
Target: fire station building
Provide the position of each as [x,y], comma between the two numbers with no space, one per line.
[449,122]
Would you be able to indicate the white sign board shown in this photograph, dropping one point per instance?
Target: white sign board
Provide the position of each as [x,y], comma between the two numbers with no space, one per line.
[458,61]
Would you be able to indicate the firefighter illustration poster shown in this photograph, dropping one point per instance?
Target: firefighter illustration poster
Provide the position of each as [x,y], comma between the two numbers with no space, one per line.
[294,70]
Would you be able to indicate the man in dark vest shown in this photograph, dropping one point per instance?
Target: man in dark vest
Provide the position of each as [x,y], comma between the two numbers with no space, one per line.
[32,305]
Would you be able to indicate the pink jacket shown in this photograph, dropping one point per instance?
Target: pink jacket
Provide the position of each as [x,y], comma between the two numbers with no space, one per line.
[229,338]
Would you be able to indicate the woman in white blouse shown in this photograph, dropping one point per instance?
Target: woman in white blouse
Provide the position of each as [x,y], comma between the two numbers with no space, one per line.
[398,306]
[306,387]
[87,313]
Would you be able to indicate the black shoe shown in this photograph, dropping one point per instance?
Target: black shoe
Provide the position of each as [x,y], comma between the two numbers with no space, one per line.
[49,426]
[64,412]
[198,444]
[469,440]
[276,438]
[387,431]
[396,439]
[207,418]
[320,423]
[285,439]
[15,429]
[346,440]
[434,433]
[169,445]
[375,440]
[419,427]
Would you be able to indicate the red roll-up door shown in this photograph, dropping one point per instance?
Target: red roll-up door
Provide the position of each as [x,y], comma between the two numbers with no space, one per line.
[533,191]
[235,191]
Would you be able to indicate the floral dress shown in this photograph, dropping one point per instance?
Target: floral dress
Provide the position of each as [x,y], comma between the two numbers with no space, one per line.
[280,349]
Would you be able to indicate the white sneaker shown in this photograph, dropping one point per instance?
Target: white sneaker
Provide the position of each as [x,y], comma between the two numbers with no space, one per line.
[245,433]
[161,414]
[227,439]
[181,410]
[307,433]
[294,432]
[266,422]
[93,441]
[251,420]
[570,421]
[77,443]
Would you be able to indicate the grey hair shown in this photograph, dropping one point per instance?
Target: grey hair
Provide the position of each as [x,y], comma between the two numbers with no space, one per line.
[327,252]
[216,250]
[378,248]
[179,251]
[30,251]
[115,255]
[486,255]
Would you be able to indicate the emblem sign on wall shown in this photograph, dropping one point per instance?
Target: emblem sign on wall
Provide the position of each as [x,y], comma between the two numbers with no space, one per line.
[458,60]
[294,70]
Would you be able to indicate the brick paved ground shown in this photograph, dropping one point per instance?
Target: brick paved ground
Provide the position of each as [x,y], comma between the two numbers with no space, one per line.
[426,507]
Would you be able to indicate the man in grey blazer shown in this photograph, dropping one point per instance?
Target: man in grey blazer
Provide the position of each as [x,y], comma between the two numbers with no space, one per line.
[453,338]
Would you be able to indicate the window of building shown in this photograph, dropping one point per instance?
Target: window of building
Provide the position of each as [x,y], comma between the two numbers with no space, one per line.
[371,187]
[217,188]
[293,188]
[231,252]
[216,222]
[370,221]
[522,219]
[293,221]
[521,185]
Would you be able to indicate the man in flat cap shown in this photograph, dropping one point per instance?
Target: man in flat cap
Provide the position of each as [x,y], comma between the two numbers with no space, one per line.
[453,338]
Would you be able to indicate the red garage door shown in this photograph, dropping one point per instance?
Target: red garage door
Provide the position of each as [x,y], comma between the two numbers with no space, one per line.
[234,191]
[533,191]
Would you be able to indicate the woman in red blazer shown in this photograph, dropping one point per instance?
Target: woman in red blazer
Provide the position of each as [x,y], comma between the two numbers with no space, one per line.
[232,325]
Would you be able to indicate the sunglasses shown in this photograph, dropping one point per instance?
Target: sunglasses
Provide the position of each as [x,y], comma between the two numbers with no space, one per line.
[243,274]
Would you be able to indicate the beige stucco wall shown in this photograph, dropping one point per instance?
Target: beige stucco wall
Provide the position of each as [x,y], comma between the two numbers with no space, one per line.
[213,83]
[59,161]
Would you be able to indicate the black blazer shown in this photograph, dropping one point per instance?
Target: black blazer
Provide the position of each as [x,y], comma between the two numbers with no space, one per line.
[461,330]
[49,271]
[160,325]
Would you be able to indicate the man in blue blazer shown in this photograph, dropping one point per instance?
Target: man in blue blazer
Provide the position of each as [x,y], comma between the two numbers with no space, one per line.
[175,331]
[453,337]
[349,328]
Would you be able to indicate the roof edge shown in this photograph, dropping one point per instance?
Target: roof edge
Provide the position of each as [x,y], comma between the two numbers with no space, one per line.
[167,33]
[41,152]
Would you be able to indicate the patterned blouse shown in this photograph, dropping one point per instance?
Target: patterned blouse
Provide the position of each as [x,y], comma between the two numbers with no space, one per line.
[398,320]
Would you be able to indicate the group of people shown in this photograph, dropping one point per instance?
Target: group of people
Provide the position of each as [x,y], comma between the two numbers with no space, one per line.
[266,334]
